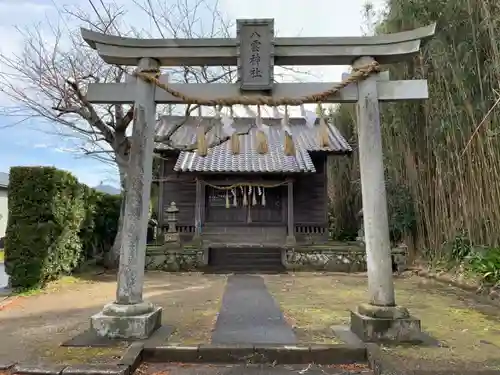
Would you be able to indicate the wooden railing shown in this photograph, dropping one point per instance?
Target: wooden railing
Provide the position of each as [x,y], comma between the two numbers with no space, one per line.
[311,229]
[185,228]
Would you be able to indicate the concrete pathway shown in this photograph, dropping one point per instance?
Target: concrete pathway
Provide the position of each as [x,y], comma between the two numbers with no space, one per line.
[250,315]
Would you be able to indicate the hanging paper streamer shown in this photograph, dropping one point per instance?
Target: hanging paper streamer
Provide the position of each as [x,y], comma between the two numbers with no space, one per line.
[319,110]
[289,144]
[262,144]
[262,196]
[254,198]
[227,126]
[235,138]
[276,113]
[250,112]
[309,116]
[323,136]
[235,197]
[227,199]
[245,201]
[201,142]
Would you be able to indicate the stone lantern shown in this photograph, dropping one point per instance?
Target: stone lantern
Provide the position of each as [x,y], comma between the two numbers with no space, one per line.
[172,236]
[361,230]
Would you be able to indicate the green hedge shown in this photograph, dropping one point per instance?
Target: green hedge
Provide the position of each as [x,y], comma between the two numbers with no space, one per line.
[100,224]
[54,224]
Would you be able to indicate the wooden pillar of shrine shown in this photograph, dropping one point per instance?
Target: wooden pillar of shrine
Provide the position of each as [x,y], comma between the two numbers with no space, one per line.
[161,193]
[290,238]
[199,208]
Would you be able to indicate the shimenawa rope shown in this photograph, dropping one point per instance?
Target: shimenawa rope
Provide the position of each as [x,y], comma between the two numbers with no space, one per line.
[152,76]
[246,184]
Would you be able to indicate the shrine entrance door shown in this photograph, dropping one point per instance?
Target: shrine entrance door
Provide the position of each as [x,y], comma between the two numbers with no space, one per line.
[261,207]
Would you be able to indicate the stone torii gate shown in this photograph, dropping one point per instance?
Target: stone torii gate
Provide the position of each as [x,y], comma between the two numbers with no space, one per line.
[255,51]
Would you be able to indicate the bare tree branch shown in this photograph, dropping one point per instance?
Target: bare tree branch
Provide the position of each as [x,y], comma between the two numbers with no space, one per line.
[48,80]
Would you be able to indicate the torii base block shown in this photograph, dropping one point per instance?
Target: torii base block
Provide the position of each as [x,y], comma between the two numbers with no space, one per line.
[385,324]
[137,321]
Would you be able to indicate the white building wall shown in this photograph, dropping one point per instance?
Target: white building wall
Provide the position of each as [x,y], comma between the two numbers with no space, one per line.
[4,211]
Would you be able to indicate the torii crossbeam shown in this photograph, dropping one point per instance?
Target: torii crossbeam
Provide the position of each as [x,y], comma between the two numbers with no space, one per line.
[255,51]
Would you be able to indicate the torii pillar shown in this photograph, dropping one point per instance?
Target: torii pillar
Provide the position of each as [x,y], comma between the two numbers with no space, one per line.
[380,319]
[129,317]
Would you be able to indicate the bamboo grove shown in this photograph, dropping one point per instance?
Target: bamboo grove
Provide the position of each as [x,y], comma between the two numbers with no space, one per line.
[445,151]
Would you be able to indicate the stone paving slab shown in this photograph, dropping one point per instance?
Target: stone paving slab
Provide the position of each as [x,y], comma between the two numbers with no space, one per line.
[250,369]
[129,362]
[96,370]
[31,369]
[89,338]
[249,314]
[277,354]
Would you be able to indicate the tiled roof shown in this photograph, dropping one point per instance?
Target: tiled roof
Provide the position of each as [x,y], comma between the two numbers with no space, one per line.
[221,159]
[4,179]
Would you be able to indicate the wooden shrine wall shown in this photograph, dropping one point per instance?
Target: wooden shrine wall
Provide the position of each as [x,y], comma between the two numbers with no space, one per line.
[310,197]
[181,189]
[311,202]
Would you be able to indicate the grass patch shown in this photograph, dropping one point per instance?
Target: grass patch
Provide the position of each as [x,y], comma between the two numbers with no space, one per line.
[190,305]
[82,278]
[197,325]
[468,330]
[309,307]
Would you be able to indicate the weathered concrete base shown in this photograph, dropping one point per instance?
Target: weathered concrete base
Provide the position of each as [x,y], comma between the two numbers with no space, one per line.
[243,353]
[385,324]
[126,321]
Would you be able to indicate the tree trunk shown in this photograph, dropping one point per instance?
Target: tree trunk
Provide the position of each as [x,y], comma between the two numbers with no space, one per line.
[112,259]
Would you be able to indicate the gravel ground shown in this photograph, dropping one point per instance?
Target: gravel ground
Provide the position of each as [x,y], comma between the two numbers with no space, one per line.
[32,327]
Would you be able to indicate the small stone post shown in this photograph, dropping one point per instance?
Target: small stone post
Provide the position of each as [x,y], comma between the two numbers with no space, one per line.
[361,231]
[380,319]
[129,316]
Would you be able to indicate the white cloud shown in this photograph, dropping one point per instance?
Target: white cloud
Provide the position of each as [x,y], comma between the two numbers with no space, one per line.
[307,18]
[65,150]
[41,145]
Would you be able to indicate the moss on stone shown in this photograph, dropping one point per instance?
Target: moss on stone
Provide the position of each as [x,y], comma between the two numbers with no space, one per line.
[78,355]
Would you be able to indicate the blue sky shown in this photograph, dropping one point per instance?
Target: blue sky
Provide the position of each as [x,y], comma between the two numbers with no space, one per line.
[30,143]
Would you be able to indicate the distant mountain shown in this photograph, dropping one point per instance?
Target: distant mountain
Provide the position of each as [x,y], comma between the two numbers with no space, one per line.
[108,189]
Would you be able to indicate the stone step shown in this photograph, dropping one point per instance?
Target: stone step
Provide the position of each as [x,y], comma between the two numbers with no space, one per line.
[244,237]
[245,250]
[253,264]
[247,268]
[241,259]
[246,256]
